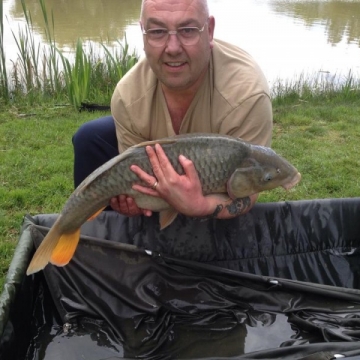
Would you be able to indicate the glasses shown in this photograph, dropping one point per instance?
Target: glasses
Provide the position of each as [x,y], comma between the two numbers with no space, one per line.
[187,36]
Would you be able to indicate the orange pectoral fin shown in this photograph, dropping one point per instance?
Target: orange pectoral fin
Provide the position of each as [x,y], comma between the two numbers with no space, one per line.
[96,214]
[167,217]
[65,248]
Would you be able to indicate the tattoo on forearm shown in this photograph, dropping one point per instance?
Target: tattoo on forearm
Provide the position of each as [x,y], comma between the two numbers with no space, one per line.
[217,211]
[238,206]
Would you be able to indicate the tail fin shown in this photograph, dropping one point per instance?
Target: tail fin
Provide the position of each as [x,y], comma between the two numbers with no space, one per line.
[67,244]
[65,248]
[43,253]
[56,248]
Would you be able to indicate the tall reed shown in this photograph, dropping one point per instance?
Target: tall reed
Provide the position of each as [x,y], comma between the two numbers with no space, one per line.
[120,61]
[77,76]
[35,72]
[53,81]
[4,87]
[43,71]
[321,86]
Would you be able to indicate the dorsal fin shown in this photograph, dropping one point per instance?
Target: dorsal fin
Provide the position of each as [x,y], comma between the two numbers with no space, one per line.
[153,142]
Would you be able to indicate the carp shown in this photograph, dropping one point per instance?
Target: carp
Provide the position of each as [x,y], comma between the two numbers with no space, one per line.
[225,165]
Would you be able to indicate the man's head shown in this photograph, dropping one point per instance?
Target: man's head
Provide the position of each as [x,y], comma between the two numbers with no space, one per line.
[178,65]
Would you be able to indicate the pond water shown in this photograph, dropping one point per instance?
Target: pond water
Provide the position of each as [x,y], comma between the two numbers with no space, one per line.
[288,38]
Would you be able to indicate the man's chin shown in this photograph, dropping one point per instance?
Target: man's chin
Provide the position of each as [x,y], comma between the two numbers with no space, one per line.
[175,84]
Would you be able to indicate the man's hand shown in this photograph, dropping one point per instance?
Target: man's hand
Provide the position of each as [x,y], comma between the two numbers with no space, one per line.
[184,192]
[126,205]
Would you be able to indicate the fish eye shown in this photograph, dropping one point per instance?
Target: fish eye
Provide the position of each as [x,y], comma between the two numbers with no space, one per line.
[278,170]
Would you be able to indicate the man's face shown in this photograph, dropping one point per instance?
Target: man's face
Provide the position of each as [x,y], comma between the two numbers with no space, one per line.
[178,67]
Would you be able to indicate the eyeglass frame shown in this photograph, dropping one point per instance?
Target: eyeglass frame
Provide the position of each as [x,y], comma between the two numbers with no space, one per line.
[175,32]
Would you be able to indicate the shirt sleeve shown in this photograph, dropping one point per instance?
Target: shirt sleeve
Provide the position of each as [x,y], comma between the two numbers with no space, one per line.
[252,120]
[126,132]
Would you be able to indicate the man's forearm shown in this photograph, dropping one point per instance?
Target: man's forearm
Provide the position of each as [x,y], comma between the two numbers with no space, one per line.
[227,209]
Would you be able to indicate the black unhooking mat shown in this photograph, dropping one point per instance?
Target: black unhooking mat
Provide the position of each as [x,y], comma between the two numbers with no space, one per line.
[281,282]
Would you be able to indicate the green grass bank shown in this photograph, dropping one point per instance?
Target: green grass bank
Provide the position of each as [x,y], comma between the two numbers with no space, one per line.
[316,126]
[319,134]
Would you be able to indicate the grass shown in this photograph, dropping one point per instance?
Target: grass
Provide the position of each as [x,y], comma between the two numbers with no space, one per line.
[316,127]
[35,168]
[321,140]
[320,135]
[42,71]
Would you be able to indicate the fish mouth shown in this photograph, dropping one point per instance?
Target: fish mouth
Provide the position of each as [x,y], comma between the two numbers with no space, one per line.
[290,184]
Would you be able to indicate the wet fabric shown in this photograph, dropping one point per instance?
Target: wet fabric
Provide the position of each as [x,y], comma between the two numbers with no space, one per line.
[280,282]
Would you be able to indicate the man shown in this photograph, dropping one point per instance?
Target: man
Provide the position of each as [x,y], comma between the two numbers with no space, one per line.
[188,82]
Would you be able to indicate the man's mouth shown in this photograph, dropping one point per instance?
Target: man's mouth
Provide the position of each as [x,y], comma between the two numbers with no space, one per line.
[174,64]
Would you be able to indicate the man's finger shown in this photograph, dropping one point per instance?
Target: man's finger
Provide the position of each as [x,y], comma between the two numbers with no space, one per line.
[145,190]
[189,168]
[146,212]
[149,180]
[154,161]
[114,203]
[162,157]
[132,207]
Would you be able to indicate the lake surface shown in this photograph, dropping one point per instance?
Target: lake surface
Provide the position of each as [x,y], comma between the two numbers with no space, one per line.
[288,38]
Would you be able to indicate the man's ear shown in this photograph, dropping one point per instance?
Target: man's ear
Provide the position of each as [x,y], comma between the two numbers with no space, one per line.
[211,28]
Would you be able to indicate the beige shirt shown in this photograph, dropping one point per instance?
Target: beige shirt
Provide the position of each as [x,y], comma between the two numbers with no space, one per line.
[233,99]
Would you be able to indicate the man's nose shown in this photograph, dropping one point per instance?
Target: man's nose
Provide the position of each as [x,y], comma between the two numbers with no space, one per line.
[173,43]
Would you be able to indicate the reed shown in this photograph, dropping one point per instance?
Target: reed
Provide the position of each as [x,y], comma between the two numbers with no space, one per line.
[320,86]
[90,77]
[109,68]
[35,73]
[43,72]
[77,76]
[4,87]
[52,78]
[120,61]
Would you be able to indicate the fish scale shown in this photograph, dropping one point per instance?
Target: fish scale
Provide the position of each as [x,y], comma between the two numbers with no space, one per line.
[225,165]
[214,157]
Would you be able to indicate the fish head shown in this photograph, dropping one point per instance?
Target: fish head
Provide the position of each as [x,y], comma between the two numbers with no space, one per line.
[262,170]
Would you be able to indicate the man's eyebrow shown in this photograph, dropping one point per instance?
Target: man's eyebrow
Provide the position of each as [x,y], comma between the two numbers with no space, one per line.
[154,21]
[191,22]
